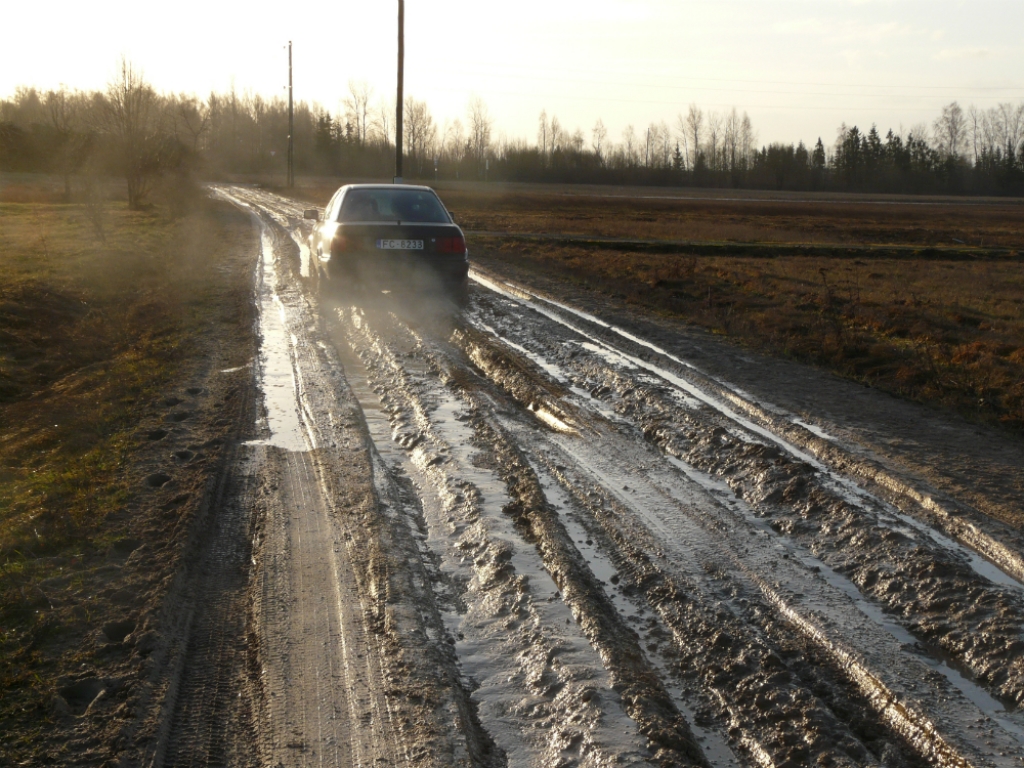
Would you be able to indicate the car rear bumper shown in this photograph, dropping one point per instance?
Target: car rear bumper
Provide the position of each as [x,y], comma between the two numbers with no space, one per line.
[397,270]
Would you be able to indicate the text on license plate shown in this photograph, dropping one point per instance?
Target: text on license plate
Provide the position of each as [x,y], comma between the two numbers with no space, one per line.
[400,245]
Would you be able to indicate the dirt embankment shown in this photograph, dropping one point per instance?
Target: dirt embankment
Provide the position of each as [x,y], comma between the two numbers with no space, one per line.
[126,352]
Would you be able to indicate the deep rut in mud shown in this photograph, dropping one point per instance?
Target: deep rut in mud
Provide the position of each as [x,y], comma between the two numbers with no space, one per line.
[518,535]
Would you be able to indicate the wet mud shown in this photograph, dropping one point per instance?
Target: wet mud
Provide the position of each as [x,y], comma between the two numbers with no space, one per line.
[517,534]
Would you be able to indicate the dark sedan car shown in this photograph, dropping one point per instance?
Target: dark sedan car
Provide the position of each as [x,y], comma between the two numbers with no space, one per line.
[389,236]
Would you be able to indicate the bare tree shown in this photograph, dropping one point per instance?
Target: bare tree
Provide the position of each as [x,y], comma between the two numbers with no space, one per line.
[357,108]
[1008,122]
[688,162]
[255,109]
[990,130]
[25,108]
[695,129]
[975,118]
[664,145]
[455,142]
[731,142]
[950,131]
[629,148]
[556,136]
[480,124]
[747,139]
[714,139]
[63,109]
[917,131]
[542,133]
[419,127]
[131,118]
[682,137]
[191,118]
[232,109]
[600,133]
[66,112]
[381,130]
[577,140]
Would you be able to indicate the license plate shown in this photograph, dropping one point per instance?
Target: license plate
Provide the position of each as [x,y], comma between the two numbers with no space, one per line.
[400,245]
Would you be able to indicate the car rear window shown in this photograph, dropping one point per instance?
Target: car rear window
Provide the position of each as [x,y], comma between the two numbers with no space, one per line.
[392,205]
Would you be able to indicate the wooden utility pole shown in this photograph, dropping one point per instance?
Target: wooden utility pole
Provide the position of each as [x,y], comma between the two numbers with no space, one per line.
[398,106]
[291,122]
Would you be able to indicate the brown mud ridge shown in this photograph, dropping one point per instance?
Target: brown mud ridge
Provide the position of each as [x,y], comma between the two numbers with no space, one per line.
[526,535]
[948,603]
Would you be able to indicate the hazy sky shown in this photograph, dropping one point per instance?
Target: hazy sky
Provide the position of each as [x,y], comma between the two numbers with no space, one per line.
[798,67]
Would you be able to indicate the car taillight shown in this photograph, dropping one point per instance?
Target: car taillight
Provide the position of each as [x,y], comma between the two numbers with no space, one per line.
[451,245]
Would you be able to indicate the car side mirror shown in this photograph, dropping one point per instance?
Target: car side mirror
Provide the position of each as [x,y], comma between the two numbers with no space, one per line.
[311,213]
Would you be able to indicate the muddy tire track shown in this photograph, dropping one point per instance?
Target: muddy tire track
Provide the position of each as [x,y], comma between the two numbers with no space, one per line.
[946,603]
[345,659]
[565,698]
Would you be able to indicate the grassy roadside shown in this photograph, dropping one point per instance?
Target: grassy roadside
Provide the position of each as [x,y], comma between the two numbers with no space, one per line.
[745,221]
[947,332]
[102,311]
[923,300]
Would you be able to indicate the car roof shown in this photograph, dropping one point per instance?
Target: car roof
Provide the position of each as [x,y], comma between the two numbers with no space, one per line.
[416,187]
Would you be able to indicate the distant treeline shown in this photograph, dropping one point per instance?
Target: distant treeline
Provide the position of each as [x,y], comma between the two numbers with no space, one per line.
[132,130]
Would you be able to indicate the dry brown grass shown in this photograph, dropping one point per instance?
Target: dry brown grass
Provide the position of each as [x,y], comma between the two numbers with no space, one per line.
[91,333]
[946,332]
[29,193]
[998,224]
[715,216]
[88,329]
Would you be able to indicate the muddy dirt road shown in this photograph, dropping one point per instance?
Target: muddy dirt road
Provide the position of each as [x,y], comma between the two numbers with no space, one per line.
[523,535]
